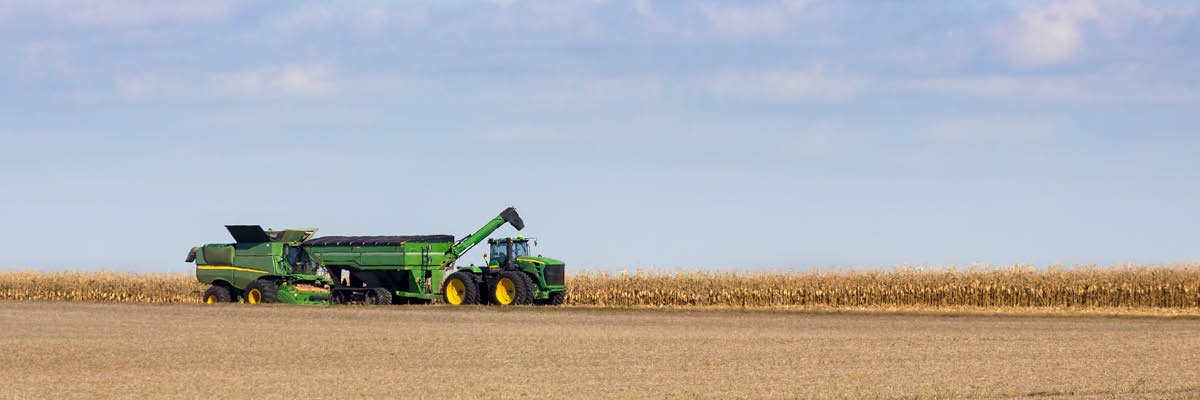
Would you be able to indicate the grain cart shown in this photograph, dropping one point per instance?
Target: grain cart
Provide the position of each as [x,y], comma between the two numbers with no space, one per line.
[259,267]
[412,269]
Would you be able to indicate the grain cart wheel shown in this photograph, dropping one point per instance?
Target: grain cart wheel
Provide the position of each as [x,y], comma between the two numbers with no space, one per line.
[460,288]
[261,291]
[381,296]
[217,294]
[510,289]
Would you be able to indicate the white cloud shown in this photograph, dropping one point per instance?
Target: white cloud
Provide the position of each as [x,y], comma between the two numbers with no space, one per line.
[309,80]
[989,129]
[998,86]
[642,7]
[749,20]
[308,15]
[1048,34]
[502,3]
[136,87]
[815,83]
[598,89]
[1056,32]
[1106,86]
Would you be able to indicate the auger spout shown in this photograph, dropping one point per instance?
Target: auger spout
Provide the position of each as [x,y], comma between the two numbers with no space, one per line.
[509,215]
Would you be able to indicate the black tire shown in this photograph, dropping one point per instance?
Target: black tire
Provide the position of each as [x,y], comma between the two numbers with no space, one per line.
[381,296]
[525,297]
[217,294]
[469,290]
[522,293]
[555,299]
[337,297]
[268,291]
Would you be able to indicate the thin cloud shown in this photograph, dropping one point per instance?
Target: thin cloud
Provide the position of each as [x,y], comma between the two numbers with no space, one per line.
[814,83]
[1121,86]
[989,129]
[1057,32]
[121,13]
[308,80]
[748,20]
[1049,34]
[642,7]
[136,87]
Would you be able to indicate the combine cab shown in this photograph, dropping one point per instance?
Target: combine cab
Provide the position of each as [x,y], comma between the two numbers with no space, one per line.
[291,267]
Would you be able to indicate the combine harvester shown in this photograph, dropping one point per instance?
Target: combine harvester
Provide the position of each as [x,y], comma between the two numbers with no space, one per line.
[286,267]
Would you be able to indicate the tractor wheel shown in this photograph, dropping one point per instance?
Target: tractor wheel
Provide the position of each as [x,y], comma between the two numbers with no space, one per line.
[555,299]
[261,291]
[382,296]
[558,298]
[510,288]
[217,294]
[525,297]
[460,288]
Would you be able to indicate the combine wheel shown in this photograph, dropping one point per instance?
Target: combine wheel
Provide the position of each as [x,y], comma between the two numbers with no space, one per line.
[217,294]
[261,291]
[510,289]
[381,296]
[460,288]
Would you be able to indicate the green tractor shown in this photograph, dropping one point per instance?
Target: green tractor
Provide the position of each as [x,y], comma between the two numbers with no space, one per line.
[381,269]
[512,276]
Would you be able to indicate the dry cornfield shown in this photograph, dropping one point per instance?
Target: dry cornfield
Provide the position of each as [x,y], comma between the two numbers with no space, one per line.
[1174,286]
[1139,287]
[100,286]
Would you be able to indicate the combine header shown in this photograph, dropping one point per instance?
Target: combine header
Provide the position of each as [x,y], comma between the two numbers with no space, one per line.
[286,266]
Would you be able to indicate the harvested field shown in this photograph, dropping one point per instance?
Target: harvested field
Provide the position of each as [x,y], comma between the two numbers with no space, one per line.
[103,350]
[1173,288]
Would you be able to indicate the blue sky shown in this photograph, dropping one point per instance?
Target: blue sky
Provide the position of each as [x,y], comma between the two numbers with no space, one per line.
[652,134]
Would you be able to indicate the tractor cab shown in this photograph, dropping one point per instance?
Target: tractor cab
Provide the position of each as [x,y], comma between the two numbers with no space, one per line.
[505,251]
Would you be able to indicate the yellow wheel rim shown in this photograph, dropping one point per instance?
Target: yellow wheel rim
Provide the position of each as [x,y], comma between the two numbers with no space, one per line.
[212,298]
[254,296]
[455,291]
[506,291]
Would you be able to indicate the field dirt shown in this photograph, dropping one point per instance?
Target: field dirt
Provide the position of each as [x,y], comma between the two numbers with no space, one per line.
[103,350]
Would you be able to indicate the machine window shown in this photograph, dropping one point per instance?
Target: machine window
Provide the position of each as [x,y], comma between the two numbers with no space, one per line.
[521,249]
[499,252]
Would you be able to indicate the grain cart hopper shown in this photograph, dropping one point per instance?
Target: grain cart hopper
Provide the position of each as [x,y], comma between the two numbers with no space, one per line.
[260,267]
[412,269]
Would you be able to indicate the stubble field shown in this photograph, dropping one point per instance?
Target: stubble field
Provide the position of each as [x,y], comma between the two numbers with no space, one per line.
[106,350]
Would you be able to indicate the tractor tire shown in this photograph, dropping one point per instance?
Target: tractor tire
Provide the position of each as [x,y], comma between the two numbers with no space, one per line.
[460,288]
[555,299]
[558,298]
[510,288]
[382,296]
[262,291]
[525,297]
[217,294]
